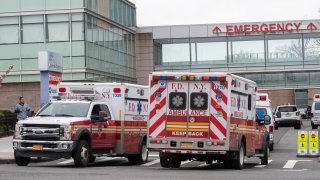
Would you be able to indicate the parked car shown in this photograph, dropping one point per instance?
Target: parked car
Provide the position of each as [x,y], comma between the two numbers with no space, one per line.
[287,116]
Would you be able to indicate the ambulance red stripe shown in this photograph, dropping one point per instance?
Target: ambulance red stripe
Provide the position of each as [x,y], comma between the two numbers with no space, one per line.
[224,97]
[217,107]
[221,128]
[156,125]
[153,95]
[153,112]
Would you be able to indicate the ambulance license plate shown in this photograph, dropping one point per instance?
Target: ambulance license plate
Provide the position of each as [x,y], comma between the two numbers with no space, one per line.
[37,147]
[186,145]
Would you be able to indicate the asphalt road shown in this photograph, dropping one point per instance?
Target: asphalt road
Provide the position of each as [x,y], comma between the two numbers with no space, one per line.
[283,165]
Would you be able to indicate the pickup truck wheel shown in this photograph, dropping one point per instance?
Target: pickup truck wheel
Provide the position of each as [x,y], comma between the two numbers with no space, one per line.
[81,154]
[264,159]
[140,158]
[164,160]
[175,162]
[21,161]
[240,155]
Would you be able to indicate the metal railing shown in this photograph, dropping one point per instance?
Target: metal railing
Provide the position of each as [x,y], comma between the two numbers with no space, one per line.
[7,124]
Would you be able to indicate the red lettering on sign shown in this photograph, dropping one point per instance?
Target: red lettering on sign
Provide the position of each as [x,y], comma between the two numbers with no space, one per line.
[176,86]
[177,113]
[289,27]
[198,113]
[132,107]
[255,28]
[273,28]
[199,87]
[145,108]
[280,27]
[229,29]
[297,25]
[264,28]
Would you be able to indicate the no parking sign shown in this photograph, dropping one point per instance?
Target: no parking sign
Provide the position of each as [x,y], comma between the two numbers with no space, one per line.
[313,143]
[302,143]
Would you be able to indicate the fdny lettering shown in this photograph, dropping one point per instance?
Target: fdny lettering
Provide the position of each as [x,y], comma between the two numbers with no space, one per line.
[219,87]
[132,107]
[194,134]
[177,113]
[198,113]
[106,95]
[199,86]
[176,86]
[238,114]
[264,28]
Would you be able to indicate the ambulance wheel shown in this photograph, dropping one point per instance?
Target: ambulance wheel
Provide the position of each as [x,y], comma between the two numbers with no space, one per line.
[81,154]
[164,161]
[92,159]
[264,159]
[240,155]
[140,158]
[297,126]
[271,147]
[175,162]
[21,161]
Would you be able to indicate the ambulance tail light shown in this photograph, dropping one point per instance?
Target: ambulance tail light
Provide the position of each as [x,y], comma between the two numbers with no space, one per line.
[62,90]
[117,90]
[158,78]
[270,129]
[158,141]
[127,90]
[263,98]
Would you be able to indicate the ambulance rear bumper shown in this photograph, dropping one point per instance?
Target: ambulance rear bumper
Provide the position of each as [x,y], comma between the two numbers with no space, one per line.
[193,152]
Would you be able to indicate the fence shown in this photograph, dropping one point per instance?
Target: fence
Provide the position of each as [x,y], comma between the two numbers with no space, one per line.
[7,124]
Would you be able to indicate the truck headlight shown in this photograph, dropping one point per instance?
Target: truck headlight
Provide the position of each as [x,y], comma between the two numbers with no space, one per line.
[18,131]
[65,132]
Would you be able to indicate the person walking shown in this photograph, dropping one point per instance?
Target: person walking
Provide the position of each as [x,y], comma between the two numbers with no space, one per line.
[22,109]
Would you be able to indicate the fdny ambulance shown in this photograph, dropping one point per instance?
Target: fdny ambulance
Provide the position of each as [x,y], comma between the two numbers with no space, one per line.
[315,112]
[205,117]
[264,108]
[85,121]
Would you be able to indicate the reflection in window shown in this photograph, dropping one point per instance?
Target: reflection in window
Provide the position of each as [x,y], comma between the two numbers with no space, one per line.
[312,48]
[274,79]
[212,51]
[176,52]
[314,78]
[285,50]
[57,4]
[33,33]
[9,34]
[247,51]
[32,5]
[297,78]
[58,31]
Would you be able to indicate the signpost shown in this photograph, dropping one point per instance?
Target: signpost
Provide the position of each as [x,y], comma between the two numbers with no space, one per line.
[302,143]
[51,67]
[313,143]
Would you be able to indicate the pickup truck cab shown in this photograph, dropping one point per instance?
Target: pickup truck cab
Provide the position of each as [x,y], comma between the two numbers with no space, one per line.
[109,120]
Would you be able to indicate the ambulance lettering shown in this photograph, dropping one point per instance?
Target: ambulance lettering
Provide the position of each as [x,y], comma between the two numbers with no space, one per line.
[199,86]
[177,113]
[177,86]
[193,134]
[198,113]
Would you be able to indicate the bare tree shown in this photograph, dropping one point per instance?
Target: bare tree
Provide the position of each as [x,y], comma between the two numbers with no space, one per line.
[3,76]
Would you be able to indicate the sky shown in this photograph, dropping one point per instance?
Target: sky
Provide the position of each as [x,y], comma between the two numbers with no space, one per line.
[178,12]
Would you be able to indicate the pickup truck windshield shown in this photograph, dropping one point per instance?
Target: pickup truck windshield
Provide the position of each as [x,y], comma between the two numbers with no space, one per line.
[65,109]
[288,109]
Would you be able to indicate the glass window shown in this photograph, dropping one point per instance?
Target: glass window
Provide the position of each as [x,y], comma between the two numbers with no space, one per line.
[30,78]
[59,47]
[314,78]
[76,3]
[312,49]
[32,33]
[78,62]
[288,109]
[29,64]
[9,34]
[261,112]
[9,5]
[176,53]
[78,48]
[77,17]
[297,78]
[58,31]
[9,51]
[245,50]
[6,63]
[65,109]
[11,78]
[9,20]
[58,17]
[57,4]
[178,100]
[211,51]
[31,50]
[284,50]
[199,101]
[317,106]
[77,31]
[32,5]
[274,79]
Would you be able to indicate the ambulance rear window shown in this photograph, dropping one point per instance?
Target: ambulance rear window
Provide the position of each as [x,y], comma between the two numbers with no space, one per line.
[178,100]
[199,101]
[317,106]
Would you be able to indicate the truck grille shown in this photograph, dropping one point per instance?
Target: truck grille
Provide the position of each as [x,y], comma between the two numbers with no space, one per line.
[41,132]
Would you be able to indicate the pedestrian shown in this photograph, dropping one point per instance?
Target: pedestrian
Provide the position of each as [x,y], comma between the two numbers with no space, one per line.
[22,109]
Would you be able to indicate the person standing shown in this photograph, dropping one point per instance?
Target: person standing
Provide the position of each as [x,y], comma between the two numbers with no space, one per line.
[22,109]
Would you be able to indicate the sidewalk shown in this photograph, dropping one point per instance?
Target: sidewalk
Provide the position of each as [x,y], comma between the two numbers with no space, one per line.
[6,151]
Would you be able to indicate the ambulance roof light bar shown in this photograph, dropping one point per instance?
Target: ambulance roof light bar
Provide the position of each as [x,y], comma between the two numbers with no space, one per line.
[190,78]
[78,97]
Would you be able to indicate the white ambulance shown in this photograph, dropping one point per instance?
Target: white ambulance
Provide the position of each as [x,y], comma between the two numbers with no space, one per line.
[85,121]
[315,112]
[205,117]
[264,108]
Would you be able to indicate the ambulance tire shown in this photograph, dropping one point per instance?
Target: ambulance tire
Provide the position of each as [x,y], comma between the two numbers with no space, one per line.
[81,154]
[264,159]
[140,158]
[240,156]
[92,159]
[164,161]
[21,161]
[175,162]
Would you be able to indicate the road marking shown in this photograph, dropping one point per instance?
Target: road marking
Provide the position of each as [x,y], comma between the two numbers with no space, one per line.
[291,163]
[151,163]
[69,161]
[185,162]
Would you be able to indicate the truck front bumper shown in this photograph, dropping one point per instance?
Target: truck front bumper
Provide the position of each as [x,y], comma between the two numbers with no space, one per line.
[51,149]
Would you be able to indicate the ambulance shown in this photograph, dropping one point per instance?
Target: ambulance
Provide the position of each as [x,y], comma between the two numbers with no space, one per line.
[205,117]
[315,112]
[264,108]
[85,121]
